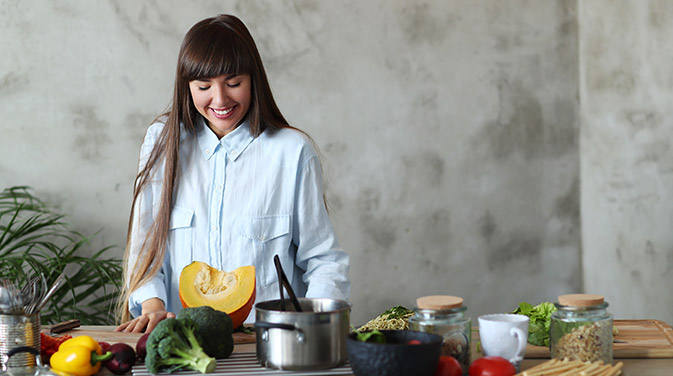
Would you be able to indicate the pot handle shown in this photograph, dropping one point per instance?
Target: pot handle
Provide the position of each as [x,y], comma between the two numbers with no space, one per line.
[270,325]
[301,337]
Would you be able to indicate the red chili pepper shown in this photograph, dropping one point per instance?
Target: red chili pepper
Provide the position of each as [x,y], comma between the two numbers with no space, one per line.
[49,345]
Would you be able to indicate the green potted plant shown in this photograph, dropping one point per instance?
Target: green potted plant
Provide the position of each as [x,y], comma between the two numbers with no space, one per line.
[35,240]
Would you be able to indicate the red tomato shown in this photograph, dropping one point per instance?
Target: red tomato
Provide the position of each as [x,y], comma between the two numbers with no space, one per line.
[492,366]
[414,342]
[448,366]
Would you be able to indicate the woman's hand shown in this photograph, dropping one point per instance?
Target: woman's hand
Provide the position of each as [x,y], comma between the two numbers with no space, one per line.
[153,311]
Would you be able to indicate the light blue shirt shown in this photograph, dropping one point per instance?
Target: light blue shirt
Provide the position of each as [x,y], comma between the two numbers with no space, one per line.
[239,201]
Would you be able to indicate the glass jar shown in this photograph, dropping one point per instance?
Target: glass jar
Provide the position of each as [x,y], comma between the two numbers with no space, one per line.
[445,315]
[581,329]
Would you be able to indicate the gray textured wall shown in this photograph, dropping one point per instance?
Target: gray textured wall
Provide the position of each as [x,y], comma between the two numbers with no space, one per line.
[627,156]
[450,132]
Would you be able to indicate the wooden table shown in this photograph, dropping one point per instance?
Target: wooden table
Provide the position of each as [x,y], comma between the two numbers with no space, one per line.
[649,350]
[107,334]
[632,367]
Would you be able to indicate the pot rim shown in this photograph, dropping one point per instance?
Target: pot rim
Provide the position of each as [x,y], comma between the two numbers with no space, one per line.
[346,306]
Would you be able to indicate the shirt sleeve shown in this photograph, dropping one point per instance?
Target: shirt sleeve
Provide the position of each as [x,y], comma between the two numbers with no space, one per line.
[326,265]
[143,217]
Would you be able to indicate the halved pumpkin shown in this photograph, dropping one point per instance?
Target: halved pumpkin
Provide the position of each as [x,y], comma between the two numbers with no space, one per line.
[232,293]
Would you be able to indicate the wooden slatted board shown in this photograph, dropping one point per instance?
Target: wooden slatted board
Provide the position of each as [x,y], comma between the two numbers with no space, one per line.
[641,339]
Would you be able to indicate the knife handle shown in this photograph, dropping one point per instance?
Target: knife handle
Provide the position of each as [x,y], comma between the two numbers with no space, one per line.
[64,326]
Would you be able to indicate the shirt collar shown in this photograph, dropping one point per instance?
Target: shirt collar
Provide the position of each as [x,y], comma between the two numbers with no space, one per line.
[234,143]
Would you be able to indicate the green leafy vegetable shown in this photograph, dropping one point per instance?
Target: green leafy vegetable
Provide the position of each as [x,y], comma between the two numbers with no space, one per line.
[397,312]
[245,329]
[374,336]
[540,321]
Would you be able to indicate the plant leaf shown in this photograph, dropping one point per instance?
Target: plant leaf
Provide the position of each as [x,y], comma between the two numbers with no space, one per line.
[36,240]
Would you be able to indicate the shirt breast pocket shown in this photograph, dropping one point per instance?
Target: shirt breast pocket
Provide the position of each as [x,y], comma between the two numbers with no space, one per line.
[265,237]
[180,237]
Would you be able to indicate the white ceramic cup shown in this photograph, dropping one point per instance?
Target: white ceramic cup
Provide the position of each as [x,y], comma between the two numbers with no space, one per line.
[504,335]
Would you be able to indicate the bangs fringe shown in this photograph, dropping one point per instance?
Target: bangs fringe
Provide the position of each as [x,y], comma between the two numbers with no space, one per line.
[214,52]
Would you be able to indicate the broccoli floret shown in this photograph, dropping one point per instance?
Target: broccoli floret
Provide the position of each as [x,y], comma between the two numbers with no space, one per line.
[174,345]
[214,328]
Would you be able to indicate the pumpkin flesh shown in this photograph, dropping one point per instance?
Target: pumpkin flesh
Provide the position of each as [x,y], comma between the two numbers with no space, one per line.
[230,292]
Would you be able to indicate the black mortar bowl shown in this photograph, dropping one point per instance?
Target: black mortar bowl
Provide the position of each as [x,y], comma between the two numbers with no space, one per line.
[396,357]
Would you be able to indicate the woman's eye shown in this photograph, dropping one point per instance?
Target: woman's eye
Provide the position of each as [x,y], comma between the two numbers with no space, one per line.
[234,85]
[204,87]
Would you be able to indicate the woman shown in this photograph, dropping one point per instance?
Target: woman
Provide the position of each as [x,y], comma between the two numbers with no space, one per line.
[225,180]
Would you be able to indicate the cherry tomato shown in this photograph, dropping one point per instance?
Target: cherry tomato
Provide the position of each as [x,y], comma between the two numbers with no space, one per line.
[414,342]
[492,366]
[448,366]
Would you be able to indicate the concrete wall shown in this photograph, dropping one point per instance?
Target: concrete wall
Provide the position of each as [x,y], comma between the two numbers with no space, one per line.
[449,130]
[627,156]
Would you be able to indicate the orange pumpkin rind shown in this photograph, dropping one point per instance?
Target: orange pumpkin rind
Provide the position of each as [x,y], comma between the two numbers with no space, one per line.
[230,292]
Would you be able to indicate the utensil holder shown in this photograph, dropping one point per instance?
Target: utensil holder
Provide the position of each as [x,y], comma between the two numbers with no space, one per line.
[17,331]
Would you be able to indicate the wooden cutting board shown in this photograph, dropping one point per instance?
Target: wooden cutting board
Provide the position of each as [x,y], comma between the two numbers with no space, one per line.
[106,334]
[641,339]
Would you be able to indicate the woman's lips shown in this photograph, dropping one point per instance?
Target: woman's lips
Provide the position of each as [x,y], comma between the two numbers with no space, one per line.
[223,113]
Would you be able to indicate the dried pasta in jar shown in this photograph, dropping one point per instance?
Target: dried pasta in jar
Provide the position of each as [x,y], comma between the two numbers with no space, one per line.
[581,329]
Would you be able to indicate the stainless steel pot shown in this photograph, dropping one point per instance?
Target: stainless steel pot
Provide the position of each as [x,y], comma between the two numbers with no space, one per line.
[312,339]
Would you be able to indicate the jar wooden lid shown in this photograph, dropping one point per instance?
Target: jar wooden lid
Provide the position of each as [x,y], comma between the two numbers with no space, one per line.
[580,300]
[439,302]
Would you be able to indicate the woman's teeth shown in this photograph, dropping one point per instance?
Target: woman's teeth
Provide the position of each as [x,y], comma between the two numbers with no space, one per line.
[223,112]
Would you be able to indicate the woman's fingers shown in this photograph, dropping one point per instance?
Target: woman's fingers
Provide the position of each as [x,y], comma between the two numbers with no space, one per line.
[121,327]
[154,320]
[138,324]
[144,323]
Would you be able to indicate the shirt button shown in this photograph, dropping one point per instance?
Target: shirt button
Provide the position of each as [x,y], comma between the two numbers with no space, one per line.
[262,237]
[208,151]
[214,228]
[234,154]
[219,187]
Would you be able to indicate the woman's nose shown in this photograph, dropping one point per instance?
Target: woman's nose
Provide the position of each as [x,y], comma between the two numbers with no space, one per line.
[220,95]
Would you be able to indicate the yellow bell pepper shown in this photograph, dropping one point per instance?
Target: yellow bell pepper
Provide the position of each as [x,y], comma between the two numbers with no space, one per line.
[78,356]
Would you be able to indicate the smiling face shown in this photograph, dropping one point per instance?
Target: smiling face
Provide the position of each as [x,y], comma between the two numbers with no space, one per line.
[223,100]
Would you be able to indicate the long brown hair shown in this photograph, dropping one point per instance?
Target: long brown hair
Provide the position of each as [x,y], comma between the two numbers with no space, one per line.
[216,46]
